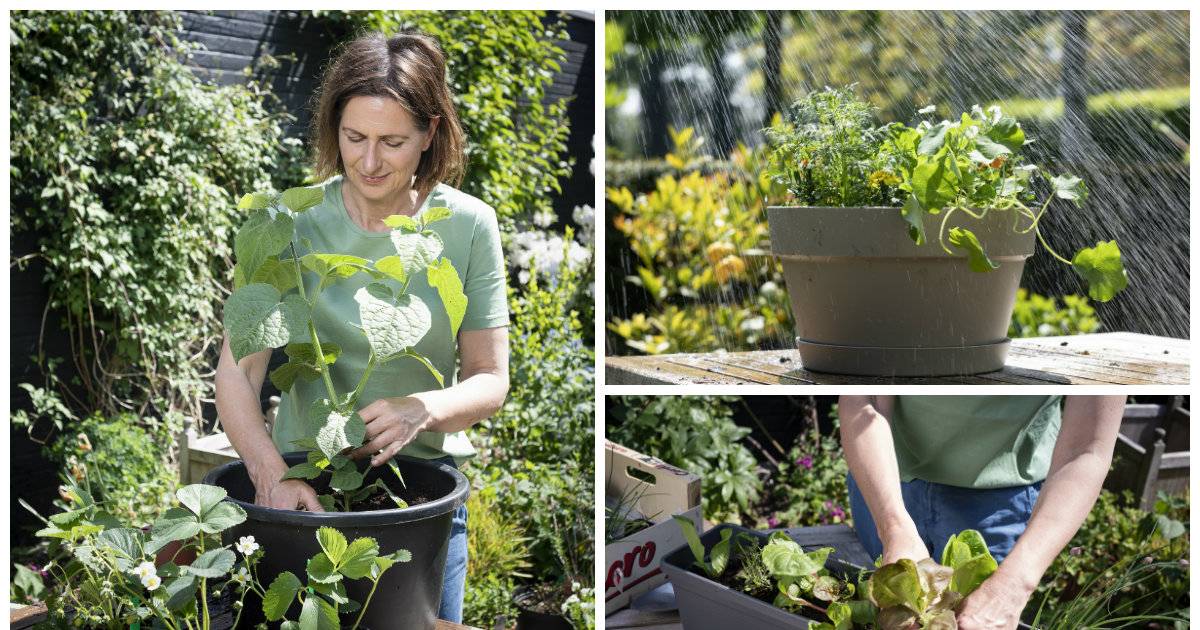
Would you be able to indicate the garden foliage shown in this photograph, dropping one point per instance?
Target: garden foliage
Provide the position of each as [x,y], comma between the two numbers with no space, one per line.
[809,487]
[697,434]
[500,65]
[124,170]
[497,556]
[698,245]
[1040,316]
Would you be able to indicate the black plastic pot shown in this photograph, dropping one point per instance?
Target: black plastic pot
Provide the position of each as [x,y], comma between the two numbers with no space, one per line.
[409,595]
[530,620]
[705,604]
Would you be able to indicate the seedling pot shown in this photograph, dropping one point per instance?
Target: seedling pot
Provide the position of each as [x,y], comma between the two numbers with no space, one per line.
[531,620]
[409,594]
[705,604]
[868,301]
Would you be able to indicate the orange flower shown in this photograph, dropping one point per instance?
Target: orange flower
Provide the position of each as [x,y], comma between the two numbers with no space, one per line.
[718,251]
[730,267]
[997,162]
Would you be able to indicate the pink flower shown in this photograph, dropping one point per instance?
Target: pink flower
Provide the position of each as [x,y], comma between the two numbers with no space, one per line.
[1076,551]
[772,522]
[806,461]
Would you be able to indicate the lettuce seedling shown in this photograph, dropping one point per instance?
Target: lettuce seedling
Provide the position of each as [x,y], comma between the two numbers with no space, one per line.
[271,308]
[714,562]
[924,595]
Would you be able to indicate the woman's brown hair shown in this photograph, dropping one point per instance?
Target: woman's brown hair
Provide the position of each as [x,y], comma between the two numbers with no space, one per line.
[409,67]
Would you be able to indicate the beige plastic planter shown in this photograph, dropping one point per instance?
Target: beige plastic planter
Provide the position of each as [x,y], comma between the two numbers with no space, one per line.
[868,301]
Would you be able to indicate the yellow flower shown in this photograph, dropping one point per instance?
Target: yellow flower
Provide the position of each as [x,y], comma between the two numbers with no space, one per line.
[719,251]
[882,177]
[730,267]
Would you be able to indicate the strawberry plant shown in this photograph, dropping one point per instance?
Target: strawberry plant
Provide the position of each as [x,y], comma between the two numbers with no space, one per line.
[271,307]
[829,152]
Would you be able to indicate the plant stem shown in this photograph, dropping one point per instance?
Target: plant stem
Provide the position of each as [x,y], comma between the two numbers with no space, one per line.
[312,331]
[362,382]
[204,591]
[362,611]
[1042,239]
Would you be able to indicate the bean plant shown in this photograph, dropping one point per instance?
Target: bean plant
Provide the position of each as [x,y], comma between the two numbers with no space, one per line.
[829,152]
[271,307]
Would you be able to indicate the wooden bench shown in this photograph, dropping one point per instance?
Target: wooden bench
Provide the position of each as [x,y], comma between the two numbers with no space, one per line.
[1099,359]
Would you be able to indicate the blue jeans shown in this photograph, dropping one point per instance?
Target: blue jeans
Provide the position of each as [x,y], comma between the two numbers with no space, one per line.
[940,511]
[454,580]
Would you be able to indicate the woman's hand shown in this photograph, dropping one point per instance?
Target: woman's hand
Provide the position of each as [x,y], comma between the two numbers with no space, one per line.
[392,423]
[995,605]
[289,494]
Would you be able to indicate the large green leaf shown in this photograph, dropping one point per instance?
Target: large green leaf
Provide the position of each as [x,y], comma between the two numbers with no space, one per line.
[934,139]
[302,198]
[302,364]
[401,221]
[1008,133]
[256,319]
[333,543]
[989,150]
[211,564]
[933,183]
[435,214]
[359,558]
[444,278]
[346,478]
[719,555]
[280,274]
[693,539]
[280,595]
[392,267]
[340,433]
[304,352]
[914,215]
[391,327]
[1070,188]
[977,259]
[221,517]
[1101,268]
[321,569]
[286,375]
[330,267]
[303,470]
[784,557]
[417,250]
[175,524]
[318,614]
[259,237]
[126,542]
[254,201]
[199,497]
[180,593]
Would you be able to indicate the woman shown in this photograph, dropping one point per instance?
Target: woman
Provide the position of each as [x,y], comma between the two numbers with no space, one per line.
[1018,469]
[386,138]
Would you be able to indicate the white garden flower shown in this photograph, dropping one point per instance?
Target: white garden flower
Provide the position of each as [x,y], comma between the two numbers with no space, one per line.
[144,570]
[544,218]
[246,545]
[924,126]
[971,132]
[977,112]
[928,109]
[994,110]
[242,576]
[151,582]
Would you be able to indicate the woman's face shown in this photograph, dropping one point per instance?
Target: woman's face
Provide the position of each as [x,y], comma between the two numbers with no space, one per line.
[381,146]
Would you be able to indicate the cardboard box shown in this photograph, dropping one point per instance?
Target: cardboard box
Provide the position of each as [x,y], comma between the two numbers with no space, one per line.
[658,491]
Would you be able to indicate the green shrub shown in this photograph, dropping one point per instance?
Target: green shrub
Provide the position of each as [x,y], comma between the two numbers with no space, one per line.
[500,65]
[1114,532]
[1040,316]
[123,461]
[538,450]
[124,169]
[698,244]
[697,434]
[496,557]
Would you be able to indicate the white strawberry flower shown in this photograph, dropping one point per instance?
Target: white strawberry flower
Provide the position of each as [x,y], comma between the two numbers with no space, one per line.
[246,545]
[928,109]
[151,582]
[145,570]
[242,576]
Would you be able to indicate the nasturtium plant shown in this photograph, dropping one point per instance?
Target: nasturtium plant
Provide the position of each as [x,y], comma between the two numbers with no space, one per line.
[271,308]
[828,152]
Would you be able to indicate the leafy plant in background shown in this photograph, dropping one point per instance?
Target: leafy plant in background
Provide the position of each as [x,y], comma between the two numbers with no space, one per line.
[1097,560]
[971,165]
[698,241]
[697,434]
[501,65]
[271,308]
[1040,316]
[124,166]
[497,557]
[809,485]
[122,461]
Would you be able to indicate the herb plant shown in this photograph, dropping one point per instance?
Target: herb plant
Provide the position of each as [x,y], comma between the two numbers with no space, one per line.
[828,152]
[271,308]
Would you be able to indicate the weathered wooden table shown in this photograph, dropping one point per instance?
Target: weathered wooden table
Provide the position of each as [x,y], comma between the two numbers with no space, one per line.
[1099,359]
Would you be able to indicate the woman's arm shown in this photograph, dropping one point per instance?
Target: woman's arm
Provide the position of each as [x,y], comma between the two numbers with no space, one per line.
[1080,462]
[394,422]
[238,385]
[871,454]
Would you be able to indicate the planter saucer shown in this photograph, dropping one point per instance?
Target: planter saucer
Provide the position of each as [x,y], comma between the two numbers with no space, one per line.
[882,361]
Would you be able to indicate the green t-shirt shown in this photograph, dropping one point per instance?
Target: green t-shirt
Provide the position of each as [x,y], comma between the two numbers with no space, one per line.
[472,243]
[976,441]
